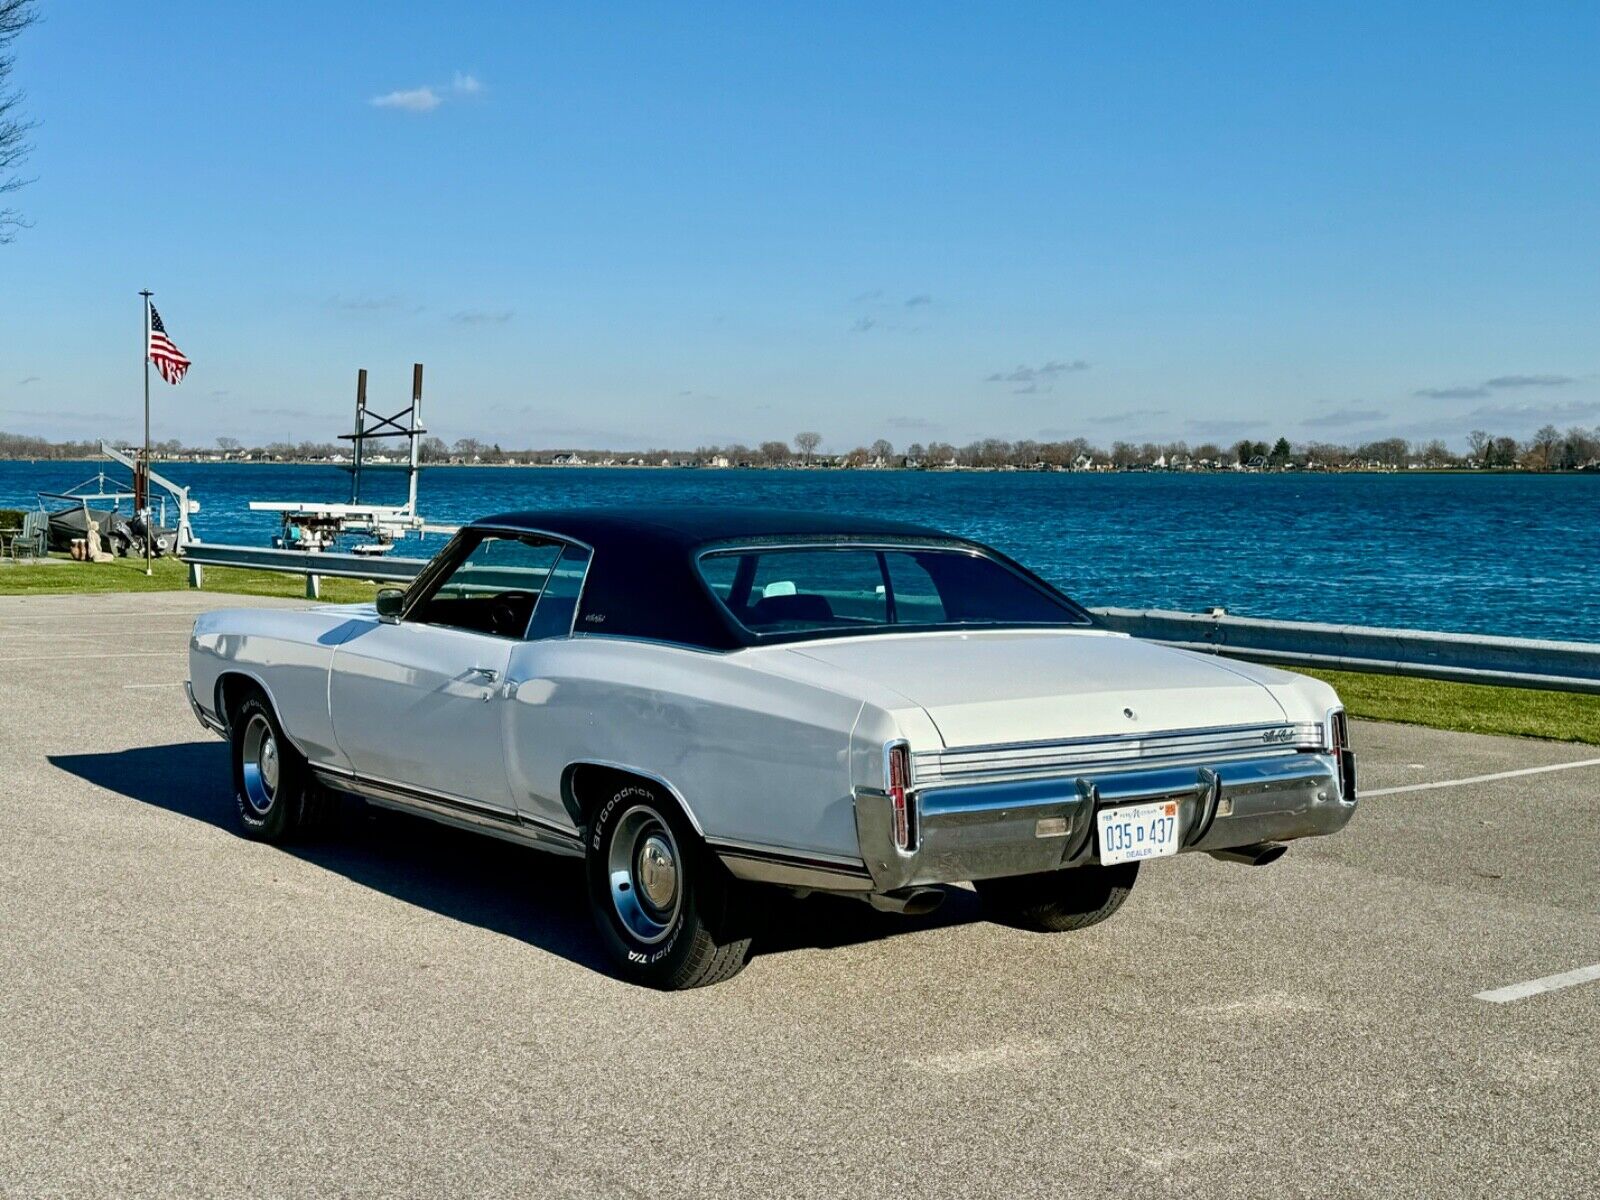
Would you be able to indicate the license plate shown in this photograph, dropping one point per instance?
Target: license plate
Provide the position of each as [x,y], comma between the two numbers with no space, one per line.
[1133,832]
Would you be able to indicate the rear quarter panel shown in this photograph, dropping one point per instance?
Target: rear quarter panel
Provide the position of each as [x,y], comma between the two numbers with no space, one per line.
[757,757]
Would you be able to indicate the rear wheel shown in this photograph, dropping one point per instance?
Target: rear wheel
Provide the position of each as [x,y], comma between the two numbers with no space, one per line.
[1058,901]
[662,902]
[272,786]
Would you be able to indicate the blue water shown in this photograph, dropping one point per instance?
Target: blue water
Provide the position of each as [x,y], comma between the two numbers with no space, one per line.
[1508,554]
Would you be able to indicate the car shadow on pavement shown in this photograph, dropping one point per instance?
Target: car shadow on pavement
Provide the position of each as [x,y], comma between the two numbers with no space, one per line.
[521,893]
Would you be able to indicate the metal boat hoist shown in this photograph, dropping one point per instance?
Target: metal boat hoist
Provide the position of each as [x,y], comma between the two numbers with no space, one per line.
[316,527]
[144,478]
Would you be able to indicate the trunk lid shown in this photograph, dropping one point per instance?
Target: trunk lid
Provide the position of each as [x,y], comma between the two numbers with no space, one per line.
[998,687]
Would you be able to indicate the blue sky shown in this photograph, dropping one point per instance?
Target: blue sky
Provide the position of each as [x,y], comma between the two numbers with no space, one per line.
[637,224]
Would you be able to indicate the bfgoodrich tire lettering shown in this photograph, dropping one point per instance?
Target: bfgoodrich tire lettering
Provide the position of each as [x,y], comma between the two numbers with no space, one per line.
[661,901]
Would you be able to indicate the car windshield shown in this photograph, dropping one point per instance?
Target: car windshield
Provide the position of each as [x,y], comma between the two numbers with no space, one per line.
[837,589]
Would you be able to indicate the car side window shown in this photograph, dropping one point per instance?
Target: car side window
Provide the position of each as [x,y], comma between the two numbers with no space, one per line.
[812,589]
[916,597]
[494,588]
[552,616]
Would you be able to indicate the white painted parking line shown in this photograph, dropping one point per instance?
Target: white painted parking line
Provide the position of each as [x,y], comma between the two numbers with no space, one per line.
[119,654]
[1449,783]
[1533,987]
[129,687]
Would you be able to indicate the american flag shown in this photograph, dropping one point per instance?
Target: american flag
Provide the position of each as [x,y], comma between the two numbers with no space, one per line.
[169,360]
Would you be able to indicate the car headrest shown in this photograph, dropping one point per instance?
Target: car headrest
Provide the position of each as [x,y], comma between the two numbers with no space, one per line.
[773,610]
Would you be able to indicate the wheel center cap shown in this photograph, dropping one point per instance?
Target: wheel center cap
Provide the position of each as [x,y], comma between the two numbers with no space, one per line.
[269,764]
[658,872]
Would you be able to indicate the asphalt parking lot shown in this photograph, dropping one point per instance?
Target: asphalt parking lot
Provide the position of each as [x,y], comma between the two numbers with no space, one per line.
[399,1009]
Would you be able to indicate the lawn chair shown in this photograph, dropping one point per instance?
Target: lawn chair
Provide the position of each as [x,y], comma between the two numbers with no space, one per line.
[10,526]
[34,539]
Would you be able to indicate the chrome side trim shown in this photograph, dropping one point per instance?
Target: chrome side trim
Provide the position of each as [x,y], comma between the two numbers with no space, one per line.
[790,868]
[571,801]
[452,809]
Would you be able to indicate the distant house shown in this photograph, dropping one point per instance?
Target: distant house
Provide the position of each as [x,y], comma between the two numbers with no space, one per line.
[720,460]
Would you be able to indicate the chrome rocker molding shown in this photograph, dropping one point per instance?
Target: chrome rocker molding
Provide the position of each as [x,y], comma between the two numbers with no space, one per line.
[512,827]
[790,868]
[1027,826]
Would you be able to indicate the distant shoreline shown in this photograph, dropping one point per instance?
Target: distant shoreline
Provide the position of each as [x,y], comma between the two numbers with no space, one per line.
[839,470]
[836,469]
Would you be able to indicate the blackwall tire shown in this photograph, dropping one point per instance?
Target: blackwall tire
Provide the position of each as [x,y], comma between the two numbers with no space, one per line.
[1058,901]
[663,904]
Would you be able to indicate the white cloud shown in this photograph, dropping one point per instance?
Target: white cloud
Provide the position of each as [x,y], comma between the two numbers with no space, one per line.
[429,96]
[417,100]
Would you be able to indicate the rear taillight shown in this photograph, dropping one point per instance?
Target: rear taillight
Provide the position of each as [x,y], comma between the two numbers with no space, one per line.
[1339,746]
[897,781]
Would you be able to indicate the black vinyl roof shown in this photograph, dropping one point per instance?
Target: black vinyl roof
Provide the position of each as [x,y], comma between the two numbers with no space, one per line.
[643,581]
[698,525]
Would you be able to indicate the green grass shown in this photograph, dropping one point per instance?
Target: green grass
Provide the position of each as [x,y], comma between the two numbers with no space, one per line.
[61,576]
[1468,707]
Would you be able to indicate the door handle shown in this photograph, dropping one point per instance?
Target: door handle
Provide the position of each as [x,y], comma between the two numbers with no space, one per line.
[487,674]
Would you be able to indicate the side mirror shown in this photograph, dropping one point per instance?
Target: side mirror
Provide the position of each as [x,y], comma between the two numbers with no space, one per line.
[390,603]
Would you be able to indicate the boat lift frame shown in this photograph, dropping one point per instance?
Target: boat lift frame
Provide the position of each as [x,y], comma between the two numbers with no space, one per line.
[180,495]
[387,523]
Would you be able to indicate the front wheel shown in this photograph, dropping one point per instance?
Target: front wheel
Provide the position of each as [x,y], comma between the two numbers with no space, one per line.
[662,902]
[1058,901]
[272,787]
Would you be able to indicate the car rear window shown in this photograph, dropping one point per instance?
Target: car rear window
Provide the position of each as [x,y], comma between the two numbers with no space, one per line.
[839,589]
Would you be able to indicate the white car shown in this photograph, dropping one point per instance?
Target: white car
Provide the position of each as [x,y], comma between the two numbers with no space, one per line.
[698,701]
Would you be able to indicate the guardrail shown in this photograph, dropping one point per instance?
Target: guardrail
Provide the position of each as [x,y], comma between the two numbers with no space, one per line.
[1462,657]
[312,564]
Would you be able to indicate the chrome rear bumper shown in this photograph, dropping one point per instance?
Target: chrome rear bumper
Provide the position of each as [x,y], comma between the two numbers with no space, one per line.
[990,830]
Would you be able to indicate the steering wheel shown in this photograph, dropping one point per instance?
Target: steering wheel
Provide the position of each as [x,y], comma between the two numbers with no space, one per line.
[509,613]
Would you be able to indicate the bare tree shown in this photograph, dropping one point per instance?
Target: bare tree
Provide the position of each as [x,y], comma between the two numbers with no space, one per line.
[1479,442]
[1582,447]
[227,444]
[807,444]
[883,449]
[15,16]
[776,453]
[1545,443]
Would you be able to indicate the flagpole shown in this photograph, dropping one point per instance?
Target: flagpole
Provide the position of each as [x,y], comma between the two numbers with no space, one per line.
[146,353]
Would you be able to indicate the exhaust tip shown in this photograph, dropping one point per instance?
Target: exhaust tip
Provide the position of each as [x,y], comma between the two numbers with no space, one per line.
[910,902]
[1259,854]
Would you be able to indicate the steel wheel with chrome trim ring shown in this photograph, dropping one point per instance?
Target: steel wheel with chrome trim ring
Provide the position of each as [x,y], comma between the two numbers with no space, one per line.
[273,791]
[661,901]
